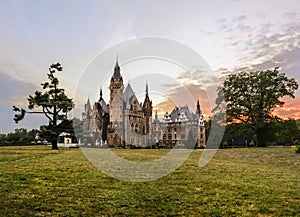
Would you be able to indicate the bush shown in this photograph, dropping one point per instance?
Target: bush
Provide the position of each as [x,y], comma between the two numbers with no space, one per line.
[297,143]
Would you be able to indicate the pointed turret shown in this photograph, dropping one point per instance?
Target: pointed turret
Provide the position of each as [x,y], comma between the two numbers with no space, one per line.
[117,73]
[198,110]
[146,88]
[147,108]
[116,94]
[147,99]
[101,93]
[88,105]
[156,121]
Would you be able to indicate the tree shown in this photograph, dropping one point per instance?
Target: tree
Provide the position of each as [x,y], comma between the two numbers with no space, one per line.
[19,137]
[53,102]
[252,97]
[287,131]
[78,128]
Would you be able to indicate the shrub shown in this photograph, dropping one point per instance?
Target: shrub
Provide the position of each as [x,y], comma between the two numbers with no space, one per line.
[297,143]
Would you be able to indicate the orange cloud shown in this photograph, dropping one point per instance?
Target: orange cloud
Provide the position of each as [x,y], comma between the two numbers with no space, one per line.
[291,109]
[185,95]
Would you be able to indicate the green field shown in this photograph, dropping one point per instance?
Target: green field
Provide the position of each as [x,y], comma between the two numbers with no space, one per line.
[36,181]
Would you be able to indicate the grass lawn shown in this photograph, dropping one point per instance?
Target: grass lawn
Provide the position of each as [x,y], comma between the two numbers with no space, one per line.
[36,181]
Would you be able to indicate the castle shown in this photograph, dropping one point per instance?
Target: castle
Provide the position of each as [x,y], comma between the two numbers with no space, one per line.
[127,123]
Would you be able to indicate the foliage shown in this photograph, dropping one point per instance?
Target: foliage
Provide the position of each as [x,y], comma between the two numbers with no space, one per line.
[47,132]
[297,144]
[251,97]
[19,137]
[78,128]
[53,102]
[287,131]
[237,135]
[282,132]
[207,125]
[237,182]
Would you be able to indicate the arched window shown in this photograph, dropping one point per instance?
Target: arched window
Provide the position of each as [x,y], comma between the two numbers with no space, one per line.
[136,128]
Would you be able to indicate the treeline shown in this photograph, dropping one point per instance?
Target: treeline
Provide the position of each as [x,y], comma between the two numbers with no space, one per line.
[281,133]
[19,137]
[23,137]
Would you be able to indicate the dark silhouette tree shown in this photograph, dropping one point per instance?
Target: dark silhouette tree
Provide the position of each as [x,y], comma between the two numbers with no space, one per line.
[287,132]
[251,97]
[54,103]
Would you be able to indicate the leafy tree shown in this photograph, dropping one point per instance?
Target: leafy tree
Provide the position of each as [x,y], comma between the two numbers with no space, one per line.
[287,131]
[78,128]
[19,137]
[237,135]
[53,102]
[251,97]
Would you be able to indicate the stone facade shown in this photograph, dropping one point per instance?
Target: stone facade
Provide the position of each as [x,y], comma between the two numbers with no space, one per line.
[181,127]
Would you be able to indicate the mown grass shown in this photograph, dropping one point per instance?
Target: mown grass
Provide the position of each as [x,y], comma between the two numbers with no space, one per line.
[36,181]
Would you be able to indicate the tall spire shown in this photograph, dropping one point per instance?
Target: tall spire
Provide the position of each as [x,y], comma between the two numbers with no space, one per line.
[147,99]
[117,73]
[101,92]
[146,88]
[88,104]
[198,110]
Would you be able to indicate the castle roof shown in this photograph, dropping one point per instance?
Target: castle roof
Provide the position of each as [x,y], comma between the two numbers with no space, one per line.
[103,108]
[182,113]
[117,73]
[129,97]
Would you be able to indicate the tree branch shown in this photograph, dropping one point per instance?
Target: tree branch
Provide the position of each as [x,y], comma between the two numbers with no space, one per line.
[48,111]
[46,114]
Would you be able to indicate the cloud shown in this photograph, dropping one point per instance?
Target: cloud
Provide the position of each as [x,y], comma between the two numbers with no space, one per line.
[221,20]
[291,14]
[291,109]
[238,18]
[14,92]
[185,95]
[288,61]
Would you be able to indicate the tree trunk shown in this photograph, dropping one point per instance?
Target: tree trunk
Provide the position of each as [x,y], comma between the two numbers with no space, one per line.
[54,136]
[54,144]
[260,137]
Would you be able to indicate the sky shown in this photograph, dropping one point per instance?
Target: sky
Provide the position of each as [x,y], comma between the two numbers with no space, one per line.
[230,35]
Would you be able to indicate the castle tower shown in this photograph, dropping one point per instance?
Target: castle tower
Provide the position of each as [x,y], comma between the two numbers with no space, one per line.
[201,140]
[101,114]
[147,109]
[87,117]
[116,95]
[198,110]
[89,125]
